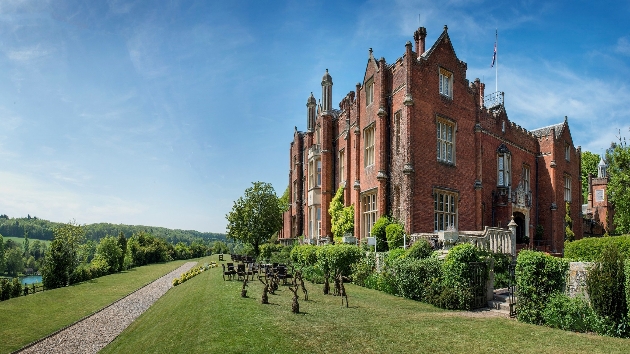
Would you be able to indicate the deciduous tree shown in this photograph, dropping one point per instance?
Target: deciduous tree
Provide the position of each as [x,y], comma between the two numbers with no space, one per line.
[61,258]
[256,216]
[618,158]
[589,165]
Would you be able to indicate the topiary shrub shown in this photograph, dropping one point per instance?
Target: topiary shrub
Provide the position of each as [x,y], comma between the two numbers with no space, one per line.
[419,250]
[379,231]
[412,276]
[605,283]
[394,255]
[304,255]
[333,258]
[538,276]
[395,234]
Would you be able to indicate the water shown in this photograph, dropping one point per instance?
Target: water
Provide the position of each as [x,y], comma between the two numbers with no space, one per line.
[28,280]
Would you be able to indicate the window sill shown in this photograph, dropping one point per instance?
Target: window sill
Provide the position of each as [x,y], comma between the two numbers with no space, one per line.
[447,163]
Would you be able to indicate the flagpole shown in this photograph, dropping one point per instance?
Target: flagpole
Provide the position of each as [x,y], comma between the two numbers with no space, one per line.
[496,76]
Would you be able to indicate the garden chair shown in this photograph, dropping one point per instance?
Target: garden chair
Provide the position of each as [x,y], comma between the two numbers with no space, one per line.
[240,271]
[249,270]
[229,273]
[282,274]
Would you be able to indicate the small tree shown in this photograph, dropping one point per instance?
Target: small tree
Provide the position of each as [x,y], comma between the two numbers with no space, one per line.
[395,235]
[380,233]
[110,252]
[256,216]
[1,254]
[589,165]
[568,230]
[14,261]
[605,284]
[62,256]
[618,158]
[341,218]
[122,244]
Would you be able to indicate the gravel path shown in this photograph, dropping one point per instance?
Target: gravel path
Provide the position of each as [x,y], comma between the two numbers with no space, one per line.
[96,331]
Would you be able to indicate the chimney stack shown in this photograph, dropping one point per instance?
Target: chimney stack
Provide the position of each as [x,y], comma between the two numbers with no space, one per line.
[420,35]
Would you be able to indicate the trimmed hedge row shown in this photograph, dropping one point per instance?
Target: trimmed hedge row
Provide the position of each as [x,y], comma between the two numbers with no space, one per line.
[538,276]
[590,249]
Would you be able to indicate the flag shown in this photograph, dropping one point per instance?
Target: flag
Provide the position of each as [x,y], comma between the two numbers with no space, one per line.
[494,56]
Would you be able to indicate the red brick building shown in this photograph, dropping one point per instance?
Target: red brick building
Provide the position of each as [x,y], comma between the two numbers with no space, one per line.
[416,140]
[598,212]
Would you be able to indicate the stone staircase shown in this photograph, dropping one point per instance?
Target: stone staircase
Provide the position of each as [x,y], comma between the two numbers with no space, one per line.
[501,302]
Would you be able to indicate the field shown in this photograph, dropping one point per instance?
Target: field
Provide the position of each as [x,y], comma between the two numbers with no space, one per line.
[27,318]
[207,315]
[20,240]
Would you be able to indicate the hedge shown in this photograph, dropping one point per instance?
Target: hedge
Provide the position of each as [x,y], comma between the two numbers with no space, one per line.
[590,249]
[538,276]
[333,258]
[304,255]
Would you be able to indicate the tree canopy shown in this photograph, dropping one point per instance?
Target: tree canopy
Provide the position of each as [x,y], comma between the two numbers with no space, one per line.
[618,158]
[589,165]
[255,216]
[341,218]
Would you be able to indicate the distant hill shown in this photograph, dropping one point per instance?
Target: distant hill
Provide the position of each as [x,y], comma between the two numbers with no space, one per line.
[43,230]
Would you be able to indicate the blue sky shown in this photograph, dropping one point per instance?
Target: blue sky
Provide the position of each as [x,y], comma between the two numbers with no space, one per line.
[162,112]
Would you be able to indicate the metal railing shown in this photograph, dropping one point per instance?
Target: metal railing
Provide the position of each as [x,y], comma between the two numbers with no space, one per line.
[494,99]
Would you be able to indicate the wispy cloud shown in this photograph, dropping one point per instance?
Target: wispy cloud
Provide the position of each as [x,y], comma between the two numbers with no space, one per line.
[623,46]
[25,55]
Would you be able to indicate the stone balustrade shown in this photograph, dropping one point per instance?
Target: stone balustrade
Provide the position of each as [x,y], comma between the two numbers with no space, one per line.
[492,239]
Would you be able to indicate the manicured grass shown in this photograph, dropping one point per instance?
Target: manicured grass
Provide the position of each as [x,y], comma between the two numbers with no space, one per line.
[28,318]
[207,315]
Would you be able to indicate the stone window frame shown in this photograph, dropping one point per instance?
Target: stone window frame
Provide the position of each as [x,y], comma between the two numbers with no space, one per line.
[397,133]
[445,209]
[504,167]
[318,165]
[369,137]
[445,82]
[567,188]
[369,91]
[526,177]
[567,151]
[369,210]
[342,165]
[444,141]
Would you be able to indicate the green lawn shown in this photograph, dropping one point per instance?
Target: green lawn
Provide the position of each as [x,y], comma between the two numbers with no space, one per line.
[207,315]
[28,318]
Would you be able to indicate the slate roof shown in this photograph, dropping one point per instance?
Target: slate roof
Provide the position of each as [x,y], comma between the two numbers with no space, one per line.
[540,132]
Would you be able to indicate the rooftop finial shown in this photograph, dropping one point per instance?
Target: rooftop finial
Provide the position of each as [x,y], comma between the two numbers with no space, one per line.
[445,28]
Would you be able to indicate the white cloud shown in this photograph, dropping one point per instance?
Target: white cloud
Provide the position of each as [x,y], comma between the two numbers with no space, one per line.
[623,46]
[27,54]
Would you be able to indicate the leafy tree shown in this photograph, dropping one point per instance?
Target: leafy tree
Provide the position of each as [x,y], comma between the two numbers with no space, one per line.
[341,218]
[14,261]
[256,216]
[1,254]
[26,243]
[589,165]
[109,251]
[284,200]
[395,233]
[569,235]
[122,243]
[62,256]
[618,157]
[379,231]
[37,249]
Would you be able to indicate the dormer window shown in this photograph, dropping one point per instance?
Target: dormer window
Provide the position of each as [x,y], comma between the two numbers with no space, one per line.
[504,165]
[446,83]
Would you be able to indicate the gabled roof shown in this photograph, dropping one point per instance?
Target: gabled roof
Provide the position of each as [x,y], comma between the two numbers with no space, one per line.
[444,35]
[559,128]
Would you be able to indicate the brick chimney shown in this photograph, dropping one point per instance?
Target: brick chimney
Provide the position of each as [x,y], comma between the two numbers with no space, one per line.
[420,35]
